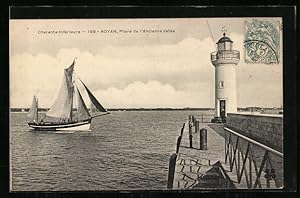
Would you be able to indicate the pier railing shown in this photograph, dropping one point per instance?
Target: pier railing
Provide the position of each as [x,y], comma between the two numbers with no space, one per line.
[256,164]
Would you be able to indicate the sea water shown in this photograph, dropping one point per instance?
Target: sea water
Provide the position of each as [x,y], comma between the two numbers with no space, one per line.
[125,150]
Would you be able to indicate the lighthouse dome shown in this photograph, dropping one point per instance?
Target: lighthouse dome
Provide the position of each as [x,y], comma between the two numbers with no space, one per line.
[224,43]
[224,39]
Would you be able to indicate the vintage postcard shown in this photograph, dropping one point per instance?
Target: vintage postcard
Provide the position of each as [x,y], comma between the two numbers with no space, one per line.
[146,104]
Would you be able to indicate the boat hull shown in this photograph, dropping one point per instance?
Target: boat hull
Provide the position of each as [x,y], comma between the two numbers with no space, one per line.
[72,126]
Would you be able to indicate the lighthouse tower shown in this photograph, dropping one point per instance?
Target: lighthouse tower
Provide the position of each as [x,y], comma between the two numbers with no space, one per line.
[225,61]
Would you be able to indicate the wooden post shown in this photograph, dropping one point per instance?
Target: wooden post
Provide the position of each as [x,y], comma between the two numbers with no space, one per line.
[171,174]
[196,126]
[191,140]
[203,139]
[193,120]
[182,129]
[190,135]
[178,143]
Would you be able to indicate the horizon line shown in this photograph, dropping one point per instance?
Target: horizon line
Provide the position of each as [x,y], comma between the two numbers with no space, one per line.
[116,108]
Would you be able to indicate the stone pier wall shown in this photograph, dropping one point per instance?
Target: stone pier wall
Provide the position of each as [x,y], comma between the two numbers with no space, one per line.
[266,129]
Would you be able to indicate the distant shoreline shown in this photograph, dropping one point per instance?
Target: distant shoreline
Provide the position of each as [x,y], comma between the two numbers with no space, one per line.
[240,109]
[126,109]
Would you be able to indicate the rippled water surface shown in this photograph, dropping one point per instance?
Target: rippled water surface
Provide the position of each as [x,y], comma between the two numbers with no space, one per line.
[123,151]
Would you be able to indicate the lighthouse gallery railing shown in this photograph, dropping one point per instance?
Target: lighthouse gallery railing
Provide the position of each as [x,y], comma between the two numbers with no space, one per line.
[225,54]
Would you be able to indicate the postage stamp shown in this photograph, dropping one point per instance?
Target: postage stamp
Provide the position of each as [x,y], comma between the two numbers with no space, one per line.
[262,42]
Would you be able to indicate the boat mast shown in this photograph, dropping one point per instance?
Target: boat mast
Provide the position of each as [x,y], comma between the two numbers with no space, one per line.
[71,114]
[72,89]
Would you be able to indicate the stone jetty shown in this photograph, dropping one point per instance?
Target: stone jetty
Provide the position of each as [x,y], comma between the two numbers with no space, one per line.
[212,156]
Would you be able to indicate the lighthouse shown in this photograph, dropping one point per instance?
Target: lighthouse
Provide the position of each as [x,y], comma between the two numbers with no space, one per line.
[225,60]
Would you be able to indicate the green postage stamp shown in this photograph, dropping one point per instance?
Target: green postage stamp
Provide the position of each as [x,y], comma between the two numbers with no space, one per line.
[262,41]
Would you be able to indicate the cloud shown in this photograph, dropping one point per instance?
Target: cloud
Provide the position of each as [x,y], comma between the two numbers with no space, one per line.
[161,75]
[25,37]
[155,94]
[114,68]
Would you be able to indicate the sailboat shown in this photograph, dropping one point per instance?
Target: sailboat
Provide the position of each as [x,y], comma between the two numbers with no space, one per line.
[62,115]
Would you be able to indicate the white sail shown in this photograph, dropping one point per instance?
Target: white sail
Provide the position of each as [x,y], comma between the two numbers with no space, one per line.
[62,106]
[82,111]
[33,111]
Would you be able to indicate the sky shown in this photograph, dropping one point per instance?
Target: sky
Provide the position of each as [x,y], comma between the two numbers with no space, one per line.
[166,67]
